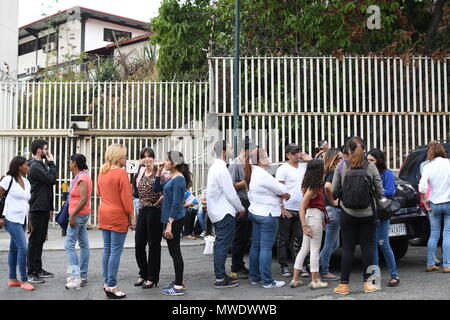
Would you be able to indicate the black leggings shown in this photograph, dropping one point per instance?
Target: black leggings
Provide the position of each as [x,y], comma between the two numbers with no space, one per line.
[351,229]
[175,250]
[149,231]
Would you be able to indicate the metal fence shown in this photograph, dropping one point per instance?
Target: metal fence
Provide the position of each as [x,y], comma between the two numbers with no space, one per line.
[393,105]
[163,115]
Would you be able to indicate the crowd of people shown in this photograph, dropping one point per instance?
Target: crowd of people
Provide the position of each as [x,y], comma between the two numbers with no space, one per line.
[320,200]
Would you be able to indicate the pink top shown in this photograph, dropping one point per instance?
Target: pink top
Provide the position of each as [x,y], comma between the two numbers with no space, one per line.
[75,197]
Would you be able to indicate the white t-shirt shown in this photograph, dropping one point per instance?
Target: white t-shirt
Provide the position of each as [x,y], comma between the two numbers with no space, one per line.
[293,179]
[16,204]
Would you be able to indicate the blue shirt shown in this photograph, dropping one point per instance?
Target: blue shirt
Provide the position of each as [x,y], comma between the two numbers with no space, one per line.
[173,201]
[388,179]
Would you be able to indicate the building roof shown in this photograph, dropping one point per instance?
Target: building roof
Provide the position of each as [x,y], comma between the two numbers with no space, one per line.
[109,49]
[79,13]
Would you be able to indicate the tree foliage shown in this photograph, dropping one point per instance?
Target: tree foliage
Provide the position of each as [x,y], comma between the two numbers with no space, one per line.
[293,28]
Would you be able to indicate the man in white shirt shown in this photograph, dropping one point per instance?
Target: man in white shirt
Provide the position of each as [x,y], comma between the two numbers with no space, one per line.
[291,175]
[223,203]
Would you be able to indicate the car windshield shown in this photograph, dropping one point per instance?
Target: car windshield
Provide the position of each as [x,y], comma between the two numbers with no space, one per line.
[410,170]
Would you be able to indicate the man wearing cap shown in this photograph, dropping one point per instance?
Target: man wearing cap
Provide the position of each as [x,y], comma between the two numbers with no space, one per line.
[240,241]
[291,175]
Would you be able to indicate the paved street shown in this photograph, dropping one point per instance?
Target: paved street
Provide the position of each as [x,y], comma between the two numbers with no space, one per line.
[415,283]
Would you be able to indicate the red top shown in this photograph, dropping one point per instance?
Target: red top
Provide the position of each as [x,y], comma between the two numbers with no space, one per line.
[318,201]
[116,205]
[75,197]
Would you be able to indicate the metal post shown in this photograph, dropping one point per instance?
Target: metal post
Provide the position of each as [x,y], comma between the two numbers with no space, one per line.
[236,77]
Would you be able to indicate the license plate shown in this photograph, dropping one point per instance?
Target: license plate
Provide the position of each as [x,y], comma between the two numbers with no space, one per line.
[397,230]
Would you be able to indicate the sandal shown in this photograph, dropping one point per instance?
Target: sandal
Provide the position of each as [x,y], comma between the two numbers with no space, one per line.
[394,282]
[114,293]
[139,283]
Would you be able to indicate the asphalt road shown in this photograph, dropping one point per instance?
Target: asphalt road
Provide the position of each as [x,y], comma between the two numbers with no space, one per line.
[199,279]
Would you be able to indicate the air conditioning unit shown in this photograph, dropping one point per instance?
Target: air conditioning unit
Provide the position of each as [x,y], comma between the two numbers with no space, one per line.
[32,70]
[49,47]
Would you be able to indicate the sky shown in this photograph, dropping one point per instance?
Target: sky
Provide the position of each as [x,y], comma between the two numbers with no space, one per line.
[32,10]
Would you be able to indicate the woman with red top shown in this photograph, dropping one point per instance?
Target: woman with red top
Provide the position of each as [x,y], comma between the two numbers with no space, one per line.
[115,214]
[79,210]
[312,216]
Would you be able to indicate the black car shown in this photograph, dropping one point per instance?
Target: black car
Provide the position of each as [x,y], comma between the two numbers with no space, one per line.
[411,172]
[409,222]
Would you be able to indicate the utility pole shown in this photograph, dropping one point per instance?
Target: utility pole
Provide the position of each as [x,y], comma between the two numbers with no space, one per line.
[236,100]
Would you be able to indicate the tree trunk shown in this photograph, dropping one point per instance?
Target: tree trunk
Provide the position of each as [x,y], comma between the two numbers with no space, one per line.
[437,15]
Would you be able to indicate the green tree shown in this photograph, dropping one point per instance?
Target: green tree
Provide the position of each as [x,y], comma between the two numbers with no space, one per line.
[182,36]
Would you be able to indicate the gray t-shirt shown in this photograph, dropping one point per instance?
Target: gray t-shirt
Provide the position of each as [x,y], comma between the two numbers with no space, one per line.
[236,169]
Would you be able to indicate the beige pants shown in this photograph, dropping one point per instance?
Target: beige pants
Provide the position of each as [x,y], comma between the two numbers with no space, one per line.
[314,220]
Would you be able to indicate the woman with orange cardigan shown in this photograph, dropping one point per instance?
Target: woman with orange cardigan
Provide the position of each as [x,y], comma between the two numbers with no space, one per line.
[115,214]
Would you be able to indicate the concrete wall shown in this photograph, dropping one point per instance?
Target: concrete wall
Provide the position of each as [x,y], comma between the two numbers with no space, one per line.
[9,17]
[94,33]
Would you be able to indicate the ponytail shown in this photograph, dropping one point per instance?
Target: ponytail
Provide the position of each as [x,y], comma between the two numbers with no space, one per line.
[357,146]
[247,169]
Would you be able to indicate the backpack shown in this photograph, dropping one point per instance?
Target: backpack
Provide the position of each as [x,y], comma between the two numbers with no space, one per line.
[357,188]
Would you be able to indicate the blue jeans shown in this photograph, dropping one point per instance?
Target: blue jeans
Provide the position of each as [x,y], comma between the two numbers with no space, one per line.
[136,204]
[264,233]
[79,233]
[224,238]
[438,212]
[381,240]
[201,220]
[17,250]
[112,250]
[331,239]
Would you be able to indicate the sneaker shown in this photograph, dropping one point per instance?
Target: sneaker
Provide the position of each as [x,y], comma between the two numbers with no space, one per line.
[16,283]
[329,278]
[73,283]
[226,282]
[286,272]
[27,286]
[189,237]
[305,274]
[83,282]
[296,283]
[203,234]
[256,282]
[432,268]
[45,274]
[274,284]
[241,274]
[173,292]
[34,278]
[446,270]
[171,285]
[370,287]
[317,285]
[342,288]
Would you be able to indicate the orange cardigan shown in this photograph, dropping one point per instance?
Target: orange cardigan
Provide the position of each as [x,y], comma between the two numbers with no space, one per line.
[114,189]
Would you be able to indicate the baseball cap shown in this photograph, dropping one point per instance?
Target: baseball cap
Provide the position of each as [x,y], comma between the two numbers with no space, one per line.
[292,147]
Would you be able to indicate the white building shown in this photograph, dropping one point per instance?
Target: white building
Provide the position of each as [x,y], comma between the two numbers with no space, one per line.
[60,39]
[9,17]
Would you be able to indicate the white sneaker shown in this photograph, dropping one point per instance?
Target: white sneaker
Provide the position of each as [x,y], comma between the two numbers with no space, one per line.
[73,283]
[318,285]
[274,284]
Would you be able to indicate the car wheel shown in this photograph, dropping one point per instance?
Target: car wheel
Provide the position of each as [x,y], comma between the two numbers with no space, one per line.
[399,247]
[296,245]
[418,242]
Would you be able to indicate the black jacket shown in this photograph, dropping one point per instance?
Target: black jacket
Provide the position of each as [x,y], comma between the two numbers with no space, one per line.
[42,178]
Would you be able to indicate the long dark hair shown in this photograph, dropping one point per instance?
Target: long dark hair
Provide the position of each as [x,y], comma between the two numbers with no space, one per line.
[435,149]
[14,167]
[313,178]
[357,146]
[177,159]
[381,160]
[329,159]
[80,161]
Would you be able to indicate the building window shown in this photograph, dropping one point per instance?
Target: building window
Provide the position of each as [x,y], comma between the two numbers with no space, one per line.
[120,35]
[46,39]
[28,47]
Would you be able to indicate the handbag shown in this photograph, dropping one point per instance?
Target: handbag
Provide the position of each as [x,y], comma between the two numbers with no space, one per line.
[387,207]
[3,199]
[63,216]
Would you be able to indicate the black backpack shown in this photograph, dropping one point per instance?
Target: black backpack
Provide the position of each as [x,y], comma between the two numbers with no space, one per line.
[357,188]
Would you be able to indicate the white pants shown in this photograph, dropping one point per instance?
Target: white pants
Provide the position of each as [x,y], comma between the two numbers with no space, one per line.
[314,220]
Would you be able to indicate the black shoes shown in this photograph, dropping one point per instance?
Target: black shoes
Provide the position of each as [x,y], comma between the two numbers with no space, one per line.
[34,278]
[226,282]
[45,274]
